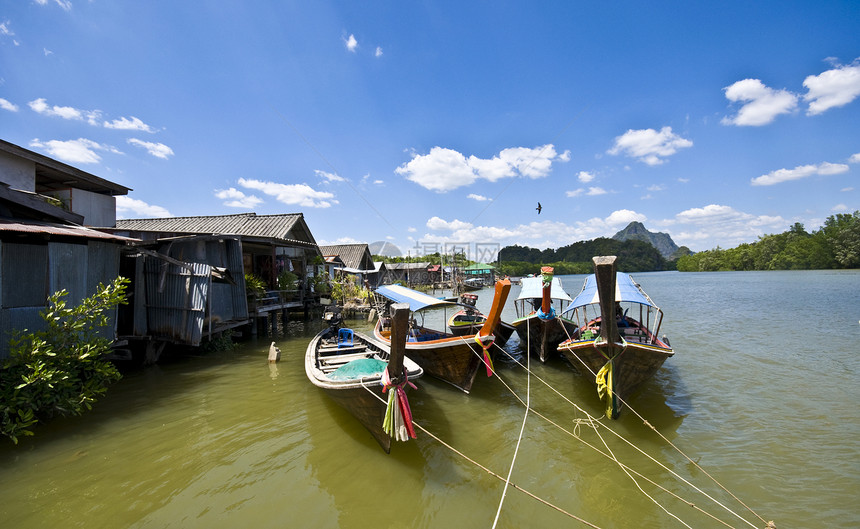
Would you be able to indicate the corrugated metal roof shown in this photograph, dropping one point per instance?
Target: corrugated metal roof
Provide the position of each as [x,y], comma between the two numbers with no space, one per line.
[59,230]
[289,226]
[353,255]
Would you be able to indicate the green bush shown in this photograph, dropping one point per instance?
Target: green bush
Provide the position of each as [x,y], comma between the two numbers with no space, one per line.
[59,370]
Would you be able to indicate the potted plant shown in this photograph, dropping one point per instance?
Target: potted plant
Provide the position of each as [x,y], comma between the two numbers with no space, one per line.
[287,284]
[255,288]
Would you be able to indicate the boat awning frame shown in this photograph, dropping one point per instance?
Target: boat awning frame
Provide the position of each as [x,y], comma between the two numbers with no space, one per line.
[532,288]
[626,290]
[416,300]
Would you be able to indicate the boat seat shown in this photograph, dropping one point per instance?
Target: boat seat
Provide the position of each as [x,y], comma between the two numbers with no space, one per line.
[345,337]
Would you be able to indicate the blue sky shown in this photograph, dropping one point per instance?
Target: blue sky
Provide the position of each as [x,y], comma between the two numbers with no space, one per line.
[432,124]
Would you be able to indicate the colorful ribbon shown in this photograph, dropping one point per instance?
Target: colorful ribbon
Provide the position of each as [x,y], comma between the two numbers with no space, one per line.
[398,416]
[488,361]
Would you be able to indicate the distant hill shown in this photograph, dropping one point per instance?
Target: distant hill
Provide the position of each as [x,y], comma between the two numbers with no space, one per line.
[636,231]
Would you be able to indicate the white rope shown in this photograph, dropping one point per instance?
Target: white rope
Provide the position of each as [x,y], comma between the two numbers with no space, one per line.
[519,439]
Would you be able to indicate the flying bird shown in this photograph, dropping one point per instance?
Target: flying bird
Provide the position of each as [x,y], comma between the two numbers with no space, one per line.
[539,208]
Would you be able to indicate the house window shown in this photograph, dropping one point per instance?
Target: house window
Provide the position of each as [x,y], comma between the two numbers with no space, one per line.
[25,275]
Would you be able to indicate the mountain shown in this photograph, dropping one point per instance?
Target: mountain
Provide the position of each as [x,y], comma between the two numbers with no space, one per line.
[637,231]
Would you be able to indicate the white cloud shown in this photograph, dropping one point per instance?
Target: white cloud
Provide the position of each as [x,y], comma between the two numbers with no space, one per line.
[799,172]
[585,177]
[575,192]
[40,106]
[65,4]
[127,207]
[4,28]
[623,217]
[159,150]
[124,123]
[438,224]
[351,43]
[330,177]
[855,158]
[761,104]
[237,199]
[378,52]
[839,208]
[292,194]
[80,150]
[704,227]
[833,88]
[595,191]
[656,187]
[648,145]
[479,198]
[444,169]
[5,104]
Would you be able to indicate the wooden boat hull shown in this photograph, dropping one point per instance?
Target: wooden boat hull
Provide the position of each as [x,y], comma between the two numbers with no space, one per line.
[353,394]
[453,359]
[541,337]
[635,360]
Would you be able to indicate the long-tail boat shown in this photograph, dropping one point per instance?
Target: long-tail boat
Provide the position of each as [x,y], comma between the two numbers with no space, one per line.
[453,359]
[469,320]
[613,348]
[540,324]
[353,369]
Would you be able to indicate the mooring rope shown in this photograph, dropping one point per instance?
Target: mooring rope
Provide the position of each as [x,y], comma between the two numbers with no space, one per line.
[517,448]
[720,485]
[485,469]
[619,436]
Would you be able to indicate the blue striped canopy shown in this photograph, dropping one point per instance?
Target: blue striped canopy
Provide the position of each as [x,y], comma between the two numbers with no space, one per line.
[416,300]
[625,290]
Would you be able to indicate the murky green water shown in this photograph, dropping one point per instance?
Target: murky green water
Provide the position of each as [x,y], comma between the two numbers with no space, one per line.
[762,392]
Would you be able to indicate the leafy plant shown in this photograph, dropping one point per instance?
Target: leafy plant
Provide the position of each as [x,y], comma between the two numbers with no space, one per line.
[254,285]
[287,280]
[59,370]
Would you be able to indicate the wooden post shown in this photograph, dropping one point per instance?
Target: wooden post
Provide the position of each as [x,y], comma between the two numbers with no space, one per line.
[399,329]
[604,274]
[274,353]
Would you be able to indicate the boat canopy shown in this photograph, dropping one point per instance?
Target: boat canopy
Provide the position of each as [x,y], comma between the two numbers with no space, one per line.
[416,300]
[533,288]
[625,290]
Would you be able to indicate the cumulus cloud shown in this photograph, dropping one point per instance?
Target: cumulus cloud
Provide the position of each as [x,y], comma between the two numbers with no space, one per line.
[351,43]
[703,227]
[127,207]
[159,150]
[80,150]
[834,88]
[234,198]
[124,123]
[40,106]
[444,169]
[799,172]
[292,194]
[329,177]
[855,158]
[479,198]
[5,104]
[585,177]
[761,104]
[378,52]
[648,145]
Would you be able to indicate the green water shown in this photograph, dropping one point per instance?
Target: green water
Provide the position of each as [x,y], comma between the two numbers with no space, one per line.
[762,393]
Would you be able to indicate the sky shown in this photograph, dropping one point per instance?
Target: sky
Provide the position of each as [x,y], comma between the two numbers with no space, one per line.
[440,125]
